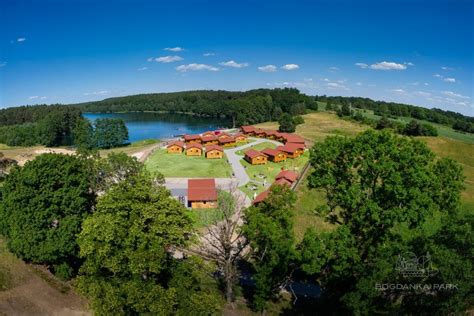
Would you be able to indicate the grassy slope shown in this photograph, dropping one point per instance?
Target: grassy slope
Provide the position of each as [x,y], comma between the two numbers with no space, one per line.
[319,125]
[180,165]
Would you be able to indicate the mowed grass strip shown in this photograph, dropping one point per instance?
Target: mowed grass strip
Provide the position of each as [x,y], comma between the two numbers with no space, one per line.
[180,165]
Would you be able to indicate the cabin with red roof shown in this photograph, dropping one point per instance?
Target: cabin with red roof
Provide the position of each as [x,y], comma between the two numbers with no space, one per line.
[240,138]
[228,141]
[292,150]
[194,149]
[282,181]
[202,193]
[259,132]
[248,130]
[214,152]
[270,134]
[292,138]
[189,139]
[208,133]
[209,140]
[274,155]
[287,175]
[255,157]
[223,135]
[261,197]
[176,147]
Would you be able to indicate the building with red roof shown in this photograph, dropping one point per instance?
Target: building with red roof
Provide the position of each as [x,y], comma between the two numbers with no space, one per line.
[202,193]
[175,147]
[255,157]
[292,138]
[208,133]
[193,149]
[214,152]
[282,181]
[240,138]
[248,130]
[261,197]
[209,140]
[192,138]
[227,141]
[292,150]
[274,155]
[288,175]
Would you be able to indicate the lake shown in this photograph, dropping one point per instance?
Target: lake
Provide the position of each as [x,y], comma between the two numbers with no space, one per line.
[146,125]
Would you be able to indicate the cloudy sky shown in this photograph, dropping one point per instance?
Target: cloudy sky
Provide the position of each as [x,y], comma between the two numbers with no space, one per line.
[416,52]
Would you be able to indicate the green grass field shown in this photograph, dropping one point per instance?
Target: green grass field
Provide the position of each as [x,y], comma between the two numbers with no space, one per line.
[180,165]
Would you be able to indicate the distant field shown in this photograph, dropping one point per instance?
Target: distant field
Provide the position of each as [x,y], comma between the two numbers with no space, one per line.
[180,165]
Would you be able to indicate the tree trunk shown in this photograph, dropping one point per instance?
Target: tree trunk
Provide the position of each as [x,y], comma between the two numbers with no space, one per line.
[229,276]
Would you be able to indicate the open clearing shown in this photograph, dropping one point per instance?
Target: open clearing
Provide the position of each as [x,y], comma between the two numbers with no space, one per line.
[180,165]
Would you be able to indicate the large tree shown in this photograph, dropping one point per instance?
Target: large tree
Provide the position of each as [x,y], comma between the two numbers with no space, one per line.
[382,190]
[268,228]
[43,206]
[127,244]
[110,132]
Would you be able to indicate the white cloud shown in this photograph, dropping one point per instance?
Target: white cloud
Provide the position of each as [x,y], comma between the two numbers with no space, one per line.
[233,64]
[362,65]
[142,68]
[21,39]
[196,67]
[150,59]
[446,68]
[336,86]
[449,79]
[33,97]
[290,67]
[325,79]
[398,90]
[332,69]
[208,54]
[437,76]
[422,93]
[101,92]
[268,68]
[455,95]
[388,65]
[409,63]
[174,49]
[359,83]
[168,59]
[3,63]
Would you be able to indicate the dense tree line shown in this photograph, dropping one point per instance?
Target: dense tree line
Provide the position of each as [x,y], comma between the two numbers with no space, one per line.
[394,110]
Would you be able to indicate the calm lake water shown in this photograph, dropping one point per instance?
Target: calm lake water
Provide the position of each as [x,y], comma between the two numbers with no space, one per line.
[161,125]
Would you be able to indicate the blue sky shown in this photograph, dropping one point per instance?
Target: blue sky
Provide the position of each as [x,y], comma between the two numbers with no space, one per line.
[416,52]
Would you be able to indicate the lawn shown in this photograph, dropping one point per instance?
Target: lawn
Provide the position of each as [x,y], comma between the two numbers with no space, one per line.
[260,146]
[180,165]
[203,217]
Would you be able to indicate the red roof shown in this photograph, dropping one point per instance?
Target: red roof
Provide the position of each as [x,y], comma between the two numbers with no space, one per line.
[229,139]
[259,131]
[191,137]
[290,148]
[289,175]
[214,147]
[202,190]
[208,133]
[259,198]
[247,129]
[252,153]
[295,145]
[176,143]
[208,138]
[240,135]
[271,152]
[282,181]
[270,132]
[194,145]
[292,138]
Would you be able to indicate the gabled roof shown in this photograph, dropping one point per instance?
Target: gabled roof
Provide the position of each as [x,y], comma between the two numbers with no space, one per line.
[202,190]
[223,134]
[259,131]
[229,139]
[290,148]
[176,143]
[194,145]
[247,128]
[271,152]
[289,175]
[252,153]
[270,132]
[210,133]
[191,137]
[208,138]
[292,138]
[214,147]
[259,198]
[282,181]
[240,135]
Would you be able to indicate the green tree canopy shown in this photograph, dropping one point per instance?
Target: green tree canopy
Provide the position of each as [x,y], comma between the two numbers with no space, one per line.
[287,124]
[43,206]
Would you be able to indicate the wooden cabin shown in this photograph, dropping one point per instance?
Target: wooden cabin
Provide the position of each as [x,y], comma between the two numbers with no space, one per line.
[261,197]
[194,149]
[227,141]
[279,137]
[214,152]
[274,155]
[259,132]
[248,130]
[209,140]
[208,133]
[282,181]
[292,138]
[240,138]
[292,150]
[202,193]
[223,135]
[270,134]
[255,157]
[190,139]
[287,175]
[176,147]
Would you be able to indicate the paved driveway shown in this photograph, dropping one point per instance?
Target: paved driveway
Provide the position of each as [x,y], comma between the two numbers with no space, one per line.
[234,159]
